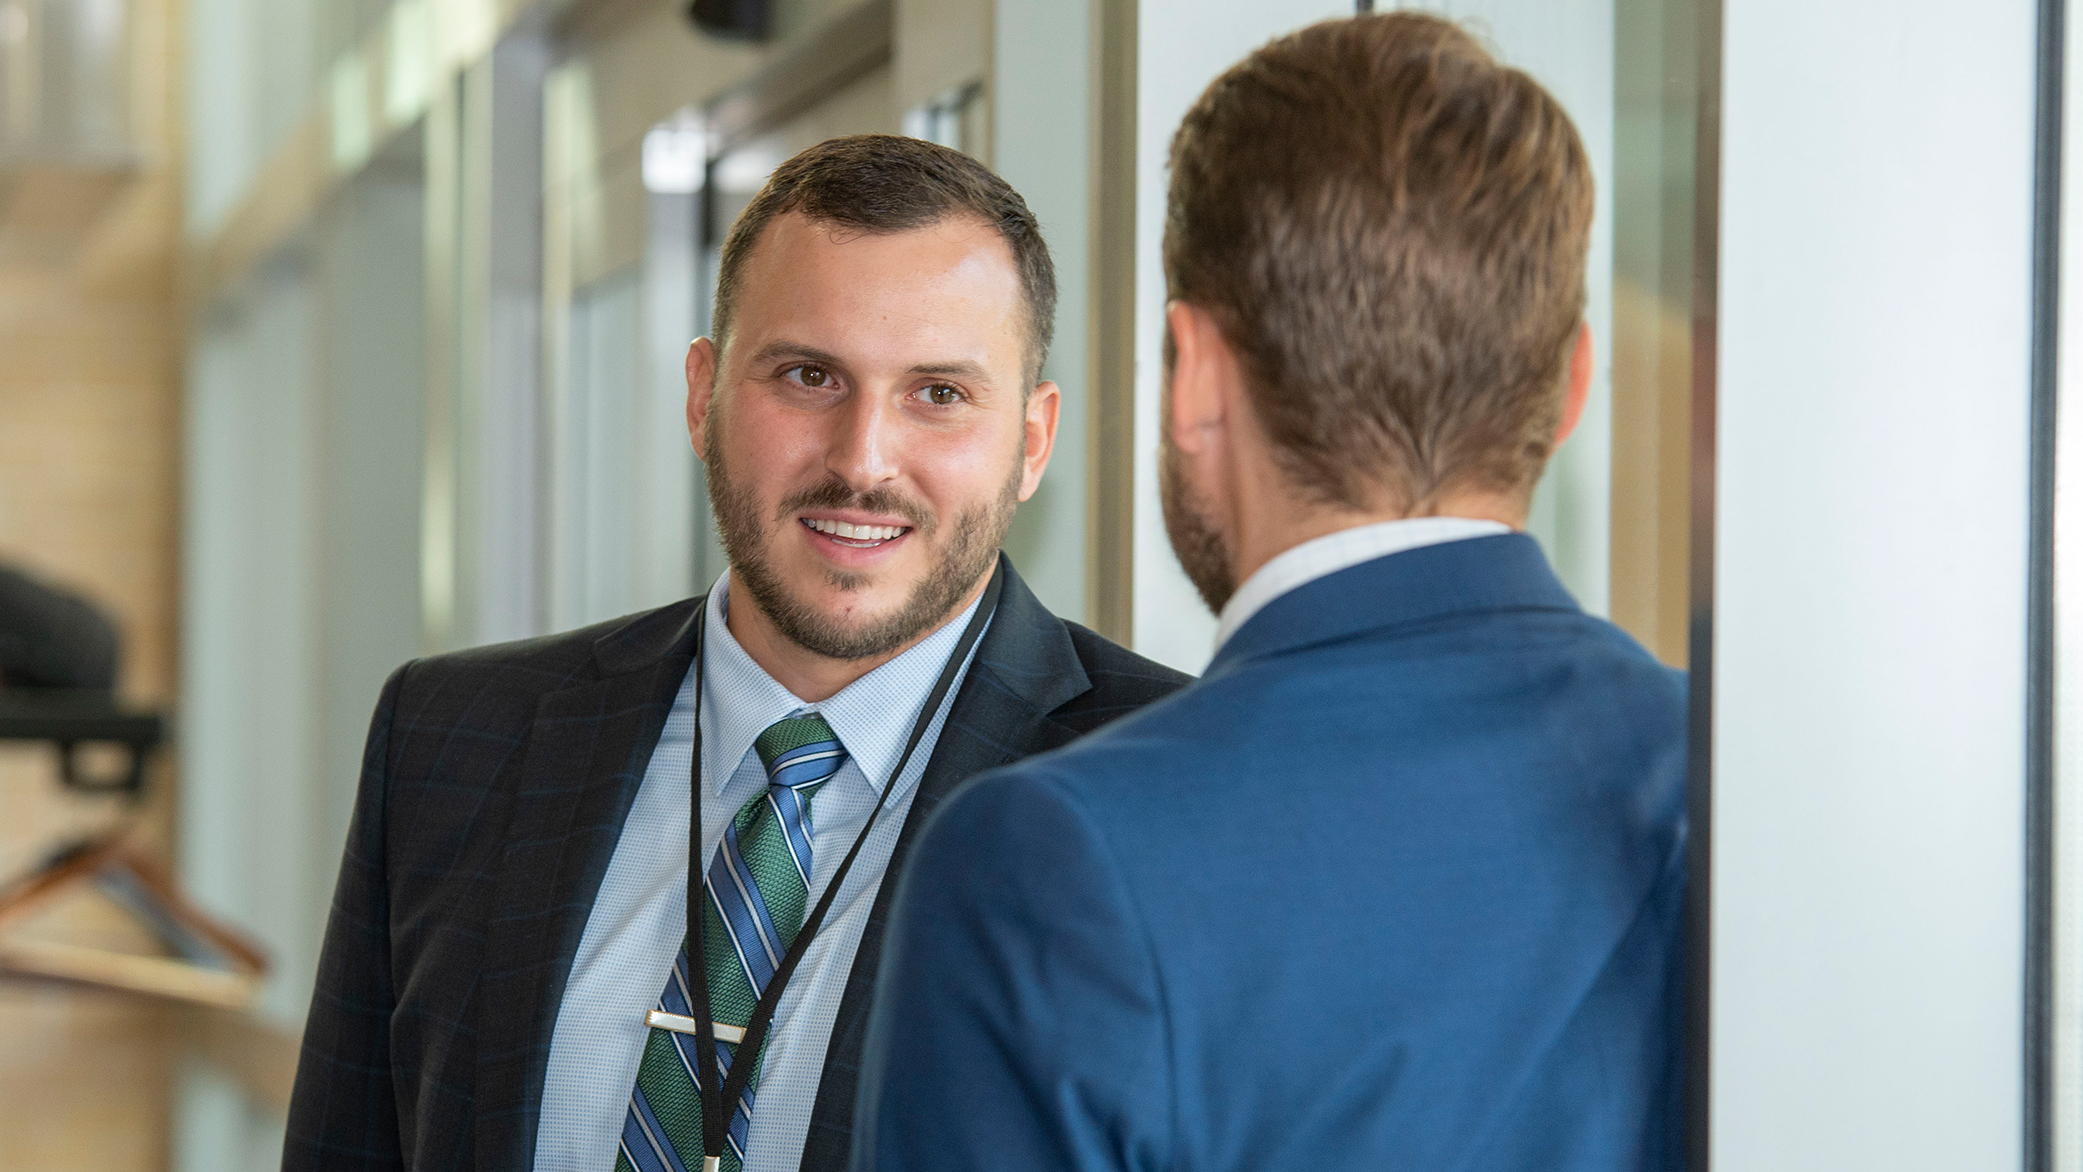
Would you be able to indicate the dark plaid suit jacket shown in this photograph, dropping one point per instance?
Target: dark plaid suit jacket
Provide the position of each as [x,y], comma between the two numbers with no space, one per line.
[493,790]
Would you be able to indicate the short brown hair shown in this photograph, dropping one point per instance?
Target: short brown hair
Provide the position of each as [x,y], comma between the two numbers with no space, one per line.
[1391,229]
[882,183]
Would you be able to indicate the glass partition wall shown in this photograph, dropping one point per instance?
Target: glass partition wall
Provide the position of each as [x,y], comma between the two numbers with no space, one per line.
[1656,108]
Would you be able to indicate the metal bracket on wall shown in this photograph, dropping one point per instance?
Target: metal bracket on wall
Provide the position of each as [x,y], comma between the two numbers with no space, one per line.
[72,719]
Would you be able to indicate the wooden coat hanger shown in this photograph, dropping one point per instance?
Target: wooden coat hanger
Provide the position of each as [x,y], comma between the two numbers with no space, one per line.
[215,964]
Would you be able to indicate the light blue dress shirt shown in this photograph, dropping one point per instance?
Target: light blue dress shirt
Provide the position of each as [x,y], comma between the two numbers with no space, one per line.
[639,919]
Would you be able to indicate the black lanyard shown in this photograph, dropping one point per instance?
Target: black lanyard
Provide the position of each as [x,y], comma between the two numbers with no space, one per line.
[717,1108]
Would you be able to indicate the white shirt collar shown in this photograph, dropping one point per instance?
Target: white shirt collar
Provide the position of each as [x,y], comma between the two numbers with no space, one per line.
[872,716]
[1316,558]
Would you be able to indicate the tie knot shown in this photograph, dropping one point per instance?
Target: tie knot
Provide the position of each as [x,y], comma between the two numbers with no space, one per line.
[799,750]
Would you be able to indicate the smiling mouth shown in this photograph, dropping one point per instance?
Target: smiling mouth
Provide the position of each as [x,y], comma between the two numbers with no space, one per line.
[856,536]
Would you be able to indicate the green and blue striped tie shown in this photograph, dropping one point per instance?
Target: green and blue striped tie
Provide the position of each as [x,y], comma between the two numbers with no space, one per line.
[758,889]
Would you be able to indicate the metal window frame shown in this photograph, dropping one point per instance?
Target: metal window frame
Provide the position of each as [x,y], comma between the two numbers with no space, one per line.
[1111,345]
[2052,1117]
[1699,903]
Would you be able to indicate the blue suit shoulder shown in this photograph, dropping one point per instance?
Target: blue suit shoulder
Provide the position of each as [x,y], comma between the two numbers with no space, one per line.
[1396,884]
[1170,745]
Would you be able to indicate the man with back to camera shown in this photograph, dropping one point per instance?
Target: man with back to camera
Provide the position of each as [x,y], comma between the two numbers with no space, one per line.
[506,979]
[1397,883]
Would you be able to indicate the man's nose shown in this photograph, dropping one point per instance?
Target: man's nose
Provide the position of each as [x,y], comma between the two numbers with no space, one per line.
[862,449]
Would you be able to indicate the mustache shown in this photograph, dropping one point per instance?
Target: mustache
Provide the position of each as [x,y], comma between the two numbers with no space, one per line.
[832,493]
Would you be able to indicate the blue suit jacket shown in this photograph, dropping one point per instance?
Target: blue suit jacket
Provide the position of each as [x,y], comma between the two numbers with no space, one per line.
[1396,886]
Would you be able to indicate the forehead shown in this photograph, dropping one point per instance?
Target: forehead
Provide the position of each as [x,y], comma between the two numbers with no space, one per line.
[946,291]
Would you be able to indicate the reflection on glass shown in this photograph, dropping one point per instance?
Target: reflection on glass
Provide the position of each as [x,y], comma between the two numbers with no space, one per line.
[1656,108]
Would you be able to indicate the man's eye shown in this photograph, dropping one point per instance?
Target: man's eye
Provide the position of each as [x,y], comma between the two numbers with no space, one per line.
[811,376]
[943,395]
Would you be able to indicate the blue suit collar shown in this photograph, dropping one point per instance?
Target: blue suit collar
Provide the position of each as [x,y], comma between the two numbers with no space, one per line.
[1506,572]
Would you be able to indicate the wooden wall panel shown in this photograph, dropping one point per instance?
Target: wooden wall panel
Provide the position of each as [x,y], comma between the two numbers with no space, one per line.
[89,435]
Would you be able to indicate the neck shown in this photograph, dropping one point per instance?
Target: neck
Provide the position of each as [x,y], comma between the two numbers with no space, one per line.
[809,676]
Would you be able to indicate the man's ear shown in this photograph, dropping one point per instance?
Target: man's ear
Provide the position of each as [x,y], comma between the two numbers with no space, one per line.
[1196,395]
[1579,384]
[1044,404]
[701,391]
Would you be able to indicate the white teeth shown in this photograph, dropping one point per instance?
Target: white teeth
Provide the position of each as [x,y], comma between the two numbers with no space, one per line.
[855,532]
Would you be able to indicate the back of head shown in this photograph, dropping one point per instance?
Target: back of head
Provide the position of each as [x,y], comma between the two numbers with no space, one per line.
[883,184]
[1391,229]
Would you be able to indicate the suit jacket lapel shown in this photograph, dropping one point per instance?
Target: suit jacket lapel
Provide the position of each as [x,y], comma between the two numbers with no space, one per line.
[1026,667]
[587,751]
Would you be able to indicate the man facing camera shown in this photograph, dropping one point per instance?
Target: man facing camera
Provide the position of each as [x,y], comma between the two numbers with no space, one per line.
[1397,883]
[511,977]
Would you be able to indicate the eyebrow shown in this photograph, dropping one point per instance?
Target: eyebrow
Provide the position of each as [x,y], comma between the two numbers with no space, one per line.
[783,348]
[961,368]
[787,349]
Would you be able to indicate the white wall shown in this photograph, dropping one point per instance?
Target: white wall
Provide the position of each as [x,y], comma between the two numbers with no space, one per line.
[1567,45]
[1182,46]
[481,149]
[249,721]
[1870,624]
[300,593]
[252,73]
[251,617]
[610,418]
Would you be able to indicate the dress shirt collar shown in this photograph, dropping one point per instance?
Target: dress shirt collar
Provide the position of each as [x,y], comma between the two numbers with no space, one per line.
[872,716]
[1313,559]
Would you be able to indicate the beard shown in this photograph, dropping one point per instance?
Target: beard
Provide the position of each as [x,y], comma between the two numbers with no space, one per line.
[1196,542]
[971,549]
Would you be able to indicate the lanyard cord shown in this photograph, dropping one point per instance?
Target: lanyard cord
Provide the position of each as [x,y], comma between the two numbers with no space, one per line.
[717,1107]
